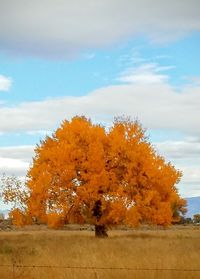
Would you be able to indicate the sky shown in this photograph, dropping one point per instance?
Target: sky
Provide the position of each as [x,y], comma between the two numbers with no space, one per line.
[101,59]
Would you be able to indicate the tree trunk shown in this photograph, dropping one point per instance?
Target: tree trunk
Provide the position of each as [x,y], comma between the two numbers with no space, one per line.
[101,231]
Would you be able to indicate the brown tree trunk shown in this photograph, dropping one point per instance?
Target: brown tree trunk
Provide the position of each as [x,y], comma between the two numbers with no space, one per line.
[101,231]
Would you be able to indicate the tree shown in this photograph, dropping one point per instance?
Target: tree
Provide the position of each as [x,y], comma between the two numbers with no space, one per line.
[86,173]
[196,218]
[15,192]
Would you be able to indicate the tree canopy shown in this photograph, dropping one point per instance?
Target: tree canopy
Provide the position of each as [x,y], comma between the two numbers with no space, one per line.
[86,173]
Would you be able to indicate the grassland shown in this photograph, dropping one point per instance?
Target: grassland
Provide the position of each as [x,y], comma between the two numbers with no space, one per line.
[175,248]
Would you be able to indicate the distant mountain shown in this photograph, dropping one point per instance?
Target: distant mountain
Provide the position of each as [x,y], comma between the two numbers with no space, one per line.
[193,206]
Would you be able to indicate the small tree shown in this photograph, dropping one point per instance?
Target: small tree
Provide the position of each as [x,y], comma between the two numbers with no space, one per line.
[2,217]
[196,218]
[85,173]
[15,193]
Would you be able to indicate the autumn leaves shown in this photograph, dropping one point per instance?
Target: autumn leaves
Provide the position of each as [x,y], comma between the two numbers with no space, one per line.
[83,165]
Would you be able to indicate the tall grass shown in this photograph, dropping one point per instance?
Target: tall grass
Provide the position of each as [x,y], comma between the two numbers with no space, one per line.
[152,249]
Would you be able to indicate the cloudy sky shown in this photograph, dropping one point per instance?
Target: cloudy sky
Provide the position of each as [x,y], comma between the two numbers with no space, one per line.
[140,58]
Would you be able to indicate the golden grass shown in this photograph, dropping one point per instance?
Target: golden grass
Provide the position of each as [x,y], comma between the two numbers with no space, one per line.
[151,249]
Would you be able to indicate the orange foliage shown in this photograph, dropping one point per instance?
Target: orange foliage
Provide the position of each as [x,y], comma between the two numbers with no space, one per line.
[55,220]
[89,174]
[19,218]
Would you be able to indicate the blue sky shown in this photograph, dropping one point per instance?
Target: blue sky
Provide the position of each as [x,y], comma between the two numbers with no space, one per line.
[59,59]
[35,78]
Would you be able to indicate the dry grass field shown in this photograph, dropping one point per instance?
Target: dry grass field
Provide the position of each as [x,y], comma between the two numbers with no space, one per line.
[176,248]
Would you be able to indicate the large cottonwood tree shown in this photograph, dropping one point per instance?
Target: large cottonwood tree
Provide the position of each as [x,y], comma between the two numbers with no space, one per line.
[86,173]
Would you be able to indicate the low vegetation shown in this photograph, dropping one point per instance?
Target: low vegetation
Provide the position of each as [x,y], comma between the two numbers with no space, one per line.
[162,253]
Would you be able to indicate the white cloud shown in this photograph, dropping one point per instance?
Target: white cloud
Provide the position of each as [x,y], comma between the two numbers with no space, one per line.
[190,182]
[21,152]
[13,166]
[39,132]
[145,73]
[180,149]
[61,29]
[158,106]
[5,83]
[15,160]
[195,80]
[191,175]
[89,56]
[184,155]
